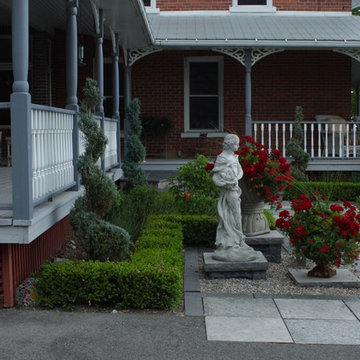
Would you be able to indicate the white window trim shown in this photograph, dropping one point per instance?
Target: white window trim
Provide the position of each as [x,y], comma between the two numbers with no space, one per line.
[152,8]
[220,61]
[252,8]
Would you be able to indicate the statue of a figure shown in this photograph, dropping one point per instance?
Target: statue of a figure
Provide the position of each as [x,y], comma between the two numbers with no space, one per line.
[227,172]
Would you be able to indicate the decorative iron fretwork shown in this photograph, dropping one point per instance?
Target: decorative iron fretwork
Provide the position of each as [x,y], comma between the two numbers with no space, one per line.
[237,53]
[256,53]
[136,54]
[353,53]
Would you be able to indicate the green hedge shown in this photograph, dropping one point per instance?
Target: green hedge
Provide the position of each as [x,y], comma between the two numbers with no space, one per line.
[198,230]
[152,280]
[333,190]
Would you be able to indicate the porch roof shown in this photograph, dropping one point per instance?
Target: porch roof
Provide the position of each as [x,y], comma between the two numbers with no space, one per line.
[281,29]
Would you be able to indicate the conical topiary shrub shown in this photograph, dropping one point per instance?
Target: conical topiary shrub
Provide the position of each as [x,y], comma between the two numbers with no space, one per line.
[135,149]
[99,239]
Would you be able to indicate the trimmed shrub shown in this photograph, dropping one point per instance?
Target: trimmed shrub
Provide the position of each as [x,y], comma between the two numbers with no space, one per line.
[135,150]
[152,280]
[126,285]
[98,239]
[198,230]
[332,191]
[270,218]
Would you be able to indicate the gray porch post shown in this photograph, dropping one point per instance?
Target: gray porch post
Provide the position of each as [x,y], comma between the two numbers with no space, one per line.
[116,93]
[21,145]
[248,130]
[127,70]
[99,62]
[72,77]
[99,73]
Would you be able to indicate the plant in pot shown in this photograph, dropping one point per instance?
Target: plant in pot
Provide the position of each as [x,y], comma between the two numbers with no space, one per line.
[266,176]
[326,234]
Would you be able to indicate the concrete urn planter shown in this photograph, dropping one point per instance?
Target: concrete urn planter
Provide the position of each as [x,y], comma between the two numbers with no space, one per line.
[254,222]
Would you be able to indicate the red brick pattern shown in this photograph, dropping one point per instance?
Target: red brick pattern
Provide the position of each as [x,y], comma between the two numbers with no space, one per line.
[319,81]
[17,262]
[288,5]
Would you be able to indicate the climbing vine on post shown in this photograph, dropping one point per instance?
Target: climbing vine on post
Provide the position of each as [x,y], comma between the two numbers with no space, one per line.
[295,150]
[99,239]
[135,149]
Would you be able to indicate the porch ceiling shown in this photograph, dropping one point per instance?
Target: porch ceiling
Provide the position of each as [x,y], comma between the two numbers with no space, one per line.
[254,30]
[127,17]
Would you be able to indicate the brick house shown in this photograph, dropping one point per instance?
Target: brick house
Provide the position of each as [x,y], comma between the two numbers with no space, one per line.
[208,66]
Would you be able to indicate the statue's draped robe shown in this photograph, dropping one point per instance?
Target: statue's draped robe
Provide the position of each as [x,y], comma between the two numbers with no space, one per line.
[226,174]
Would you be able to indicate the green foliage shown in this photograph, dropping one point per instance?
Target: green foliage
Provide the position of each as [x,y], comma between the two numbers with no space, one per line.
[135,151]
[196,205]
[133,209]
[192,178]
[156,125]
[356,11]
[152,280]
[270,218]
[294,148]
[332,191]
[98,239]
[198,230]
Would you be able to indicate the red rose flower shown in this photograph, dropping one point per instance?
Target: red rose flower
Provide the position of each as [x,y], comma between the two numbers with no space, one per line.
[324,248]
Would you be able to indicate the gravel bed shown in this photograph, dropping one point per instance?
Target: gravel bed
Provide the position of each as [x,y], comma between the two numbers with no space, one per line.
[278,282]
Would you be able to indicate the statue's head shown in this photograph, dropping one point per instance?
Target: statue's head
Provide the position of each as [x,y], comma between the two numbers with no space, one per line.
[231,142]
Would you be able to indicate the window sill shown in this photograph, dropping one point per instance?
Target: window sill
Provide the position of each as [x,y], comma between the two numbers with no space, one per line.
[190,135]
[253,9]
[151,10]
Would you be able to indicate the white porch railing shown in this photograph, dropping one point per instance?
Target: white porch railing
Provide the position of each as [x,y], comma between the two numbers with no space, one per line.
[321,139]
[111,154]
[52,155]
[111,150]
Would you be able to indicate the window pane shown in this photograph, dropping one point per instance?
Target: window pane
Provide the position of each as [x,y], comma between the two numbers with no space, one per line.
[147,2]
[107,79]
[252,2]
[5,50]
[203,78]
[204,113]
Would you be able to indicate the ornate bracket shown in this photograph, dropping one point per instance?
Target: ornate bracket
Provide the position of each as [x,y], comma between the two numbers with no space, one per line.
[136,54]
[256,53]
[353,53]
[237,53]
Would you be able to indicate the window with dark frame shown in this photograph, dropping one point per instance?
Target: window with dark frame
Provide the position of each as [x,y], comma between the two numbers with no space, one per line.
[147,2]
[252,2]
[204,99]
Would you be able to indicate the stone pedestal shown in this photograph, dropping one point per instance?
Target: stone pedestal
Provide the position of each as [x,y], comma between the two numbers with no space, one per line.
[269,244]
[254,270]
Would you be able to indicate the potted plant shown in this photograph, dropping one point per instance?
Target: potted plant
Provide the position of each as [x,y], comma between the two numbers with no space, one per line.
[326,234]
[266,176]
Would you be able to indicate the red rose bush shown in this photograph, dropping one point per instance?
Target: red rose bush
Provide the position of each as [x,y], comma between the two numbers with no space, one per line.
[328,235]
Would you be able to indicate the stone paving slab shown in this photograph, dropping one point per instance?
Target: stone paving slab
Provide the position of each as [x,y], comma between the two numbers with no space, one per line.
[223,328]
[314,309]
[191,283]
[240,307]
[193,304]
[343,278]
[341,332]
[354,306]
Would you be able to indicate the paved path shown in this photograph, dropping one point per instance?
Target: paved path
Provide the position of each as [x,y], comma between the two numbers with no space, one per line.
[52,335]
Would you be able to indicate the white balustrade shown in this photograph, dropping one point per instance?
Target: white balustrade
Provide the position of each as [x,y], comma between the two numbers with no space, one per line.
[110,130]
[52,157]
[321,139]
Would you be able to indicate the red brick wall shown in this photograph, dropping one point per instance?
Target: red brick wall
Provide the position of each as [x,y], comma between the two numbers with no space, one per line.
[289,5]
[40,68]
[319,81]
[17,261]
